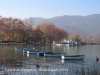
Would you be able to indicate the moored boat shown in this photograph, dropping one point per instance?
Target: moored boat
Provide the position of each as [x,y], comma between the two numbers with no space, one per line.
[25,51]
[70,57]
[33,51]
[54,54]
[20,49]
[42,53]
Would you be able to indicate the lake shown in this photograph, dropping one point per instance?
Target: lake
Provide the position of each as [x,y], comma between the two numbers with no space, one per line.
[16,63]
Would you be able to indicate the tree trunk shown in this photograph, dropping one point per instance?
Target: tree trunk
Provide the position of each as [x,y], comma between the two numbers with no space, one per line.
[50,40]
[44,41]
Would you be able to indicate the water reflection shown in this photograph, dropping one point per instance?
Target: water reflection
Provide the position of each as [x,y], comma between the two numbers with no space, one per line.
[72,61]
[68,50]
[28,55]
[65,49]
[52,58]
[10,57]
[15,59]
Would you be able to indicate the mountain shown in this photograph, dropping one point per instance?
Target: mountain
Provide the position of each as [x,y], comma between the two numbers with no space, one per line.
[87,24]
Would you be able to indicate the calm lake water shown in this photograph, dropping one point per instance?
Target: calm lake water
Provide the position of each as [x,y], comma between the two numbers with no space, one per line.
[11,59]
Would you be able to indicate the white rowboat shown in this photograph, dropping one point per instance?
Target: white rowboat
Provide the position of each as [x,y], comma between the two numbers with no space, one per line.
[70,57]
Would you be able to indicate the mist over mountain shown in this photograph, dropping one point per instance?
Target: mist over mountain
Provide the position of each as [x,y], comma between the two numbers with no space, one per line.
[87,24]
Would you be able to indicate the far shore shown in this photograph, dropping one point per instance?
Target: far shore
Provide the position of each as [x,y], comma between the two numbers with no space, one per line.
[42,44]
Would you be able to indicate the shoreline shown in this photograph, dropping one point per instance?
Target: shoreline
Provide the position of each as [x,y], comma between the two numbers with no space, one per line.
[21,44]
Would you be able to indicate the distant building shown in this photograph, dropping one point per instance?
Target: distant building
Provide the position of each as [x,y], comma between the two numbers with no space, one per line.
[67,42]
[70,42]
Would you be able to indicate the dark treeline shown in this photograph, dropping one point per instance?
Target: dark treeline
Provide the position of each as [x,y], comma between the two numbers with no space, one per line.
[22,31]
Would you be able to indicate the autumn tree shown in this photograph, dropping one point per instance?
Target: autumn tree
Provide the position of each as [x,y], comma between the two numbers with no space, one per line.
[11,28]
[38,36]
[17,30]
[60,34]
[43,28]
[27,29]
[51,32]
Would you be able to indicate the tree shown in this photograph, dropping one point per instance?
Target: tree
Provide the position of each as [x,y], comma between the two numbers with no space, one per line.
[27,28]
[61,34]
[11,28]
[16,30]
[51,32]
[75,37]
[37,36]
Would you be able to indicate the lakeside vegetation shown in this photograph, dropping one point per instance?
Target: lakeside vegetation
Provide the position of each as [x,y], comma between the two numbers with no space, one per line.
[24,31]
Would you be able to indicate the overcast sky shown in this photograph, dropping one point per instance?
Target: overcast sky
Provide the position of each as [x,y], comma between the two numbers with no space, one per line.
[48,8]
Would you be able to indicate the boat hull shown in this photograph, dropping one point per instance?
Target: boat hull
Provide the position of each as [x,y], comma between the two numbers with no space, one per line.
[54,55]
[42,53]
[73,57]
[25,51]
[33,52]
[20,49]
